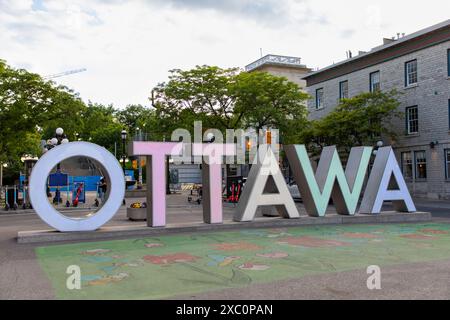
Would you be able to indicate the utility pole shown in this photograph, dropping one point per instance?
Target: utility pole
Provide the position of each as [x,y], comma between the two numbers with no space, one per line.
[167,172]
[124,157]
[139,138]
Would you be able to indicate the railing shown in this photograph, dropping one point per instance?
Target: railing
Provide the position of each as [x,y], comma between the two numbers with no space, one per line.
[274,59]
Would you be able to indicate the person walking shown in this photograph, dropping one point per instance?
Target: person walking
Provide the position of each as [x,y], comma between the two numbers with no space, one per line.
[103,187]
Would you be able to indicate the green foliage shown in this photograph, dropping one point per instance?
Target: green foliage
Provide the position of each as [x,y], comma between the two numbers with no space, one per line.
[225,99]
[264,100]
[201,94]
[108,136]
[359,121]
[28,107]
[133,117]
[95,116]
[31,109]
[67,112]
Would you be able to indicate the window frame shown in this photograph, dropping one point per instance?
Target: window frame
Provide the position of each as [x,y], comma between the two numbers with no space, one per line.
[402,161]
[448,62]
[416,165]
[448,114]
[446,164]
[408,120]
[371,83]
[407,74]
[319,106]
[341,91]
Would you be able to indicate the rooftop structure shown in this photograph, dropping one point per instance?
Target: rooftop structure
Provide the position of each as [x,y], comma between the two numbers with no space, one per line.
[284,66]
[275,60]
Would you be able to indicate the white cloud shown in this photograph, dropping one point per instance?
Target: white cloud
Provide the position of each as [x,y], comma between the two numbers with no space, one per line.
[15,5]
[128,46]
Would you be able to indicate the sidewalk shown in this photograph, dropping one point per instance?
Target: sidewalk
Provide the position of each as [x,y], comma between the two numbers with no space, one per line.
[432,203]
[179,200]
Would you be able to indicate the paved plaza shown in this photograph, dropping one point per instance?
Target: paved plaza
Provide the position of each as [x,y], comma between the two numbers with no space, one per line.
[312,262]
[167,266]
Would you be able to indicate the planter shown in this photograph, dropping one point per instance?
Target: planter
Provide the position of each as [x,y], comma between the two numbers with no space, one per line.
[137,214]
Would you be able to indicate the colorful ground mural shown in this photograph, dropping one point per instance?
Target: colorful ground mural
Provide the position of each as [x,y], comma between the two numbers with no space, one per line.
[162,267]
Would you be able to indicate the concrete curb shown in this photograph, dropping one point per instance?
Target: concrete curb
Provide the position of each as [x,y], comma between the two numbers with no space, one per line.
[114,232]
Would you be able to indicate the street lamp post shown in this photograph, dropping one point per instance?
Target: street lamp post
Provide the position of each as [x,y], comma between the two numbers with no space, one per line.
[167,168]
[124,139]
[379,145]
[139,138]
[58,139]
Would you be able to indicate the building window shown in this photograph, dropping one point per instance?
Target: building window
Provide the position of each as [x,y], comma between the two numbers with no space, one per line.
[412,120]
[343,90]
[319,98]
[410,73]
[421,164]
[448,62]
[375,81]
[447,164]
[407,165]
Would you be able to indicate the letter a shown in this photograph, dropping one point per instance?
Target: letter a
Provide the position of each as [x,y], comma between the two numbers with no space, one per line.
[265,175]
[374,280]
[74,280]
[377,190]
[330,179]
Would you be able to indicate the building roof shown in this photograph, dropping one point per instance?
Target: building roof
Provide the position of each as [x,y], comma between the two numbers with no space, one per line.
[275,60]
[394,48]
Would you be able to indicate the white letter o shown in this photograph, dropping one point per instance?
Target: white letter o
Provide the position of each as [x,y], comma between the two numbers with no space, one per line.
[38,185]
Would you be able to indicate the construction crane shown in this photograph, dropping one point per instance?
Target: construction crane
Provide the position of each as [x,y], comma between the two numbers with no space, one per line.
[63,74]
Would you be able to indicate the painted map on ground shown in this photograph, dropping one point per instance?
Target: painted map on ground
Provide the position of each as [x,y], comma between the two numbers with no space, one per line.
[167,266]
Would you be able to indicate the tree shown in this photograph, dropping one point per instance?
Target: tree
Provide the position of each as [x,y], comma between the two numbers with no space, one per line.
[201,94]
[31,109]
[108,136]
[264,100]
[225,99]
[68,114]
[100,126]
[28,105]
[136,116]
[357,121]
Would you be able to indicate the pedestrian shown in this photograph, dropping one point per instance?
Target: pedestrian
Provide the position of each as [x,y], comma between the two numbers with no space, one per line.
[103,187]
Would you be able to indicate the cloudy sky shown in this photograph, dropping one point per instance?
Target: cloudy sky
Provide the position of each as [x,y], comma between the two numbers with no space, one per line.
[129,45]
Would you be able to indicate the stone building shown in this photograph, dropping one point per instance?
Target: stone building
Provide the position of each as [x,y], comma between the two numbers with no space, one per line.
[418,66]
[282,66]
